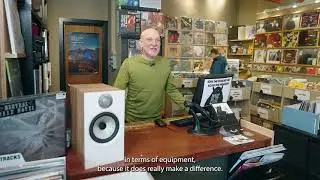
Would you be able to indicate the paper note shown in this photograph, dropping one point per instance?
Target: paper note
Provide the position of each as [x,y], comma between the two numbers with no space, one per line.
[263,113]
[236,94]
[266,88]
[302,94]
[187,83]
[237,139]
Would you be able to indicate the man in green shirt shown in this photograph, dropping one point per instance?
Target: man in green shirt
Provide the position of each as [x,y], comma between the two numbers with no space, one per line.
[147,77]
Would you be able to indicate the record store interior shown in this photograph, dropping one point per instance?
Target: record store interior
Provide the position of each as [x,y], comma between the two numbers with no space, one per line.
[160,89]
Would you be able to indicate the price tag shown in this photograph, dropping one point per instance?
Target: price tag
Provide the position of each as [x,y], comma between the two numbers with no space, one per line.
[236,94]
[302,95]
[266,88]
[263,113]
[187,83]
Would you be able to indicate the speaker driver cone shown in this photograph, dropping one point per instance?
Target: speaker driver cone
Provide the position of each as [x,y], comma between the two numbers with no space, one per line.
[104,127]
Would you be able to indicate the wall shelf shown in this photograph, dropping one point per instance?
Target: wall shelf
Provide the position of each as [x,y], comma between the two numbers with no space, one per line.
[14,56]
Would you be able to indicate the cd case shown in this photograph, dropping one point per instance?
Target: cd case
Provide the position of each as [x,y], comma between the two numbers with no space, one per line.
[32,128]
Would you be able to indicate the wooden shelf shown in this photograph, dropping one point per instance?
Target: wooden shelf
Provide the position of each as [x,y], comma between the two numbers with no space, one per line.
[299,65]
[233,54]
[298,47]
[14,56]
[239,40]
[290,73]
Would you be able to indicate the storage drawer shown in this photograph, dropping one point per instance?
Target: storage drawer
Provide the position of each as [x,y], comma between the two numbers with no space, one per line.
[268,114]
[238,94]
[271,89]
[256,120]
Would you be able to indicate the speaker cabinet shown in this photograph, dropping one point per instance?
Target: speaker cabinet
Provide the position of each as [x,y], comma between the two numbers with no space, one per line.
[97,123]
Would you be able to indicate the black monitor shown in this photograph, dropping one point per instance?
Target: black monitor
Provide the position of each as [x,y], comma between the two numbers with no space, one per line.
[212,89]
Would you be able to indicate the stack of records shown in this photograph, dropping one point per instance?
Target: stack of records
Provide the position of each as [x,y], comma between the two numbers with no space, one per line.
[51,169]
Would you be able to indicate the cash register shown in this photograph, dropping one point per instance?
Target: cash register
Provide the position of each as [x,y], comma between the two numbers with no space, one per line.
[209,108]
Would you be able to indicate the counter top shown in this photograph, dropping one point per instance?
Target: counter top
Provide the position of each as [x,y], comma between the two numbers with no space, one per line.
[148,141]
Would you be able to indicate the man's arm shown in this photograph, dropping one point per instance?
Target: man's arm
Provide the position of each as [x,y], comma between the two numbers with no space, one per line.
[122,79]
[174,94]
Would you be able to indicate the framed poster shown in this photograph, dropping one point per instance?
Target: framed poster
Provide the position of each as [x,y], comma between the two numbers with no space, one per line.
[83,51]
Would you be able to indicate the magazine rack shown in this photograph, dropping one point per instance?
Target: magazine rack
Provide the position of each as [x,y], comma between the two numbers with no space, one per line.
[264,172]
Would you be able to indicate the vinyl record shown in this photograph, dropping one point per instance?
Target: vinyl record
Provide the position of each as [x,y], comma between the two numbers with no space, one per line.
[104,127]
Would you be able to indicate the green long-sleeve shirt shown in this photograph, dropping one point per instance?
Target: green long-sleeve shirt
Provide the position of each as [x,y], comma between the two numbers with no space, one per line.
[146,83]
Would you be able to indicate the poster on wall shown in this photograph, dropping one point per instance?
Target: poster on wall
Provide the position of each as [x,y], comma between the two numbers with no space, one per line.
[216,91]
[83,53]
[156,4]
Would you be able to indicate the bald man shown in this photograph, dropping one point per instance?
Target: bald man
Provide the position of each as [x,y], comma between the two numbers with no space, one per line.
[147,78]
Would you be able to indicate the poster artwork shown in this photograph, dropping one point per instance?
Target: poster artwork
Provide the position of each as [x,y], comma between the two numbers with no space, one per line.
[215,91]
[83,53]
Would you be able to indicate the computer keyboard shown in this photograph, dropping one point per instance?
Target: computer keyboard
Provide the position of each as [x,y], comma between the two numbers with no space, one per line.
[182,122]
[186,121]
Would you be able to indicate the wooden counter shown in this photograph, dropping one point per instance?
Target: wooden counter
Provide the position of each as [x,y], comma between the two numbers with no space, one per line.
[150,141]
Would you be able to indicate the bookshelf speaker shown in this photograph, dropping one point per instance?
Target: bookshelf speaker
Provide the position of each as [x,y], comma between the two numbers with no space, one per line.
[97,123]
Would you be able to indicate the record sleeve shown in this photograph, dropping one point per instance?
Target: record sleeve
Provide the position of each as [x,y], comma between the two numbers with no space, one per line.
[198,37]
[274,24]
[129,22]
[260,55]
[221,39]
[129,2]
[207,52]
[186,38]
[198,51]
[209,38]
[221,27]
[233,66]
[198,65]
[173,50]
[309,19]
[186,23]
[173,36]
[290,39]
[308,56]
[260,41]
[198,24]
[154,20]
[308,38]
[186,51]
[274,56]
[133,47]
[172,23]
[291,21]
[261,26]
[32,128]
[290,56]
[250,32]
[274,40]
[209,26]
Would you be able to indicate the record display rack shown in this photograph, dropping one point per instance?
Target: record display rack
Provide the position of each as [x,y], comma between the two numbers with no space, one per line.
[188,42]
[288,44]
[132,21]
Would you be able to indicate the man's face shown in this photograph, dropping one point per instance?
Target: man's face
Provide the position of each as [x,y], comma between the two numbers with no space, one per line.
[150,43]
